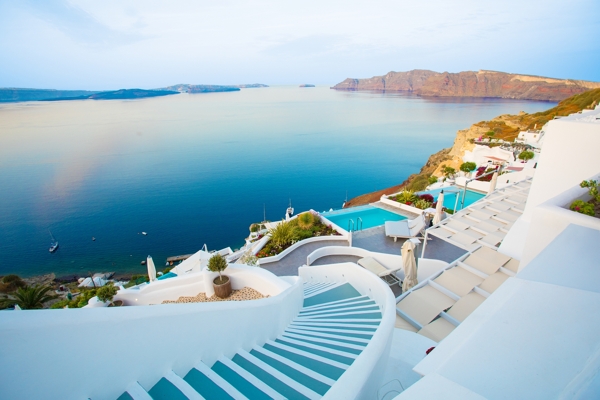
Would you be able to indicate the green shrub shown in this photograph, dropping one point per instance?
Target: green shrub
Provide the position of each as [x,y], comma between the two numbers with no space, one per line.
[583,207]
[283,234]
[490,133]
[432,179]
[10,283]
[422,204]
[407,196]
[592,186]
[107,292]
[305,220]
[449,211]
[468,166]
[526,155]
[419,183]
[448,171]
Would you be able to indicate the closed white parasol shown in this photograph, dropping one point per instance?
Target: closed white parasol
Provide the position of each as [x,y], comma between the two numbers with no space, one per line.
[493,182]
[409,265]
[439,208]
[151,269]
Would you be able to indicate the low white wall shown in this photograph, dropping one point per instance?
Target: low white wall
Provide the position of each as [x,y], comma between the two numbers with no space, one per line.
[426,267]
[550,218]
[193,283]
[414,210]
[101,351]
[363,378]
[345,236]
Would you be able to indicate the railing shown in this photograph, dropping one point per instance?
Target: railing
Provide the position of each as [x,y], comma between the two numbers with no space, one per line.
[350,225]
[359,223]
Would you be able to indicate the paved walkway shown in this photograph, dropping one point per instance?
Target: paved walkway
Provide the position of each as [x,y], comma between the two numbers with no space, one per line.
[297,258]
[374,239]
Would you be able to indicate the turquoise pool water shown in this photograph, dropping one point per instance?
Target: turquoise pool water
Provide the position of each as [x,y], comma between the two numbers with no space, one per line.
[450,197]
[363,217]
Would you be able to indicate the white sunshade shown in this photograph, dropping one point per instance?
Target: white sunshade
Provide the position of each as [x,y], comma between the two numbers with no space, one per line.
[438,208]
[151,269]
[409,265]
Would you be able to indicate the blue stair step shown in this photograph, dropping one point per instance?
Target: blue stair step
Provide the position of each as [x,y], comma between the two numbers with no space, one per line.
[125,396]
[322,342]
[165,390]
[314,365]
[205,386]
[342,292]
[238,382]
[318,352]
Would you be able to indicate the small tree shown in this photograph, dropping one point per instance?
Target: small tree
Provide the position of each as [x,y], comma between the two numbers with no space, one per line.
[432,179]
[30,298]
[468,167]
[217,263]
[448,171]
[526,155]
[107,292]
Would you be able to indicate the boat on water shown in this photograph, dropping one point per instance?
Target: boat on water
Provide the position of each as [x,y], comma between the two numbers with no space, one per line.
[53,243]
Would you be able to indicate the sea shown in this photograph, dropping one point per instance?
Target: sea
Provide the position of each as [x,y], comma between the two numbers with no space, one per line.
[195,169]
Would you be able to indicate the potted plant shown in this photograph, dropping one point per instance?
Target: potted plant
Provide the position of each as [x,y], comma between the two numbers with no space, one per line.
[222,283]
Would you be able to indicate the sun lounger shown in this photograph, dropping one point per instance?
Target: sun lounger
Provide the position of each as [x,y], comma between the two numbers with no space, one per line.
[458,280]
[465,306]
[405,228]
[493,282]
[437,330]
[424,304]
[388,275]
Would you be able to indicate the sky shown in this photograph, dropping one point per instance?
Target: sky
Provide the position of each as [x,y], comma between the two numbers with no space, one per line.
[112,44]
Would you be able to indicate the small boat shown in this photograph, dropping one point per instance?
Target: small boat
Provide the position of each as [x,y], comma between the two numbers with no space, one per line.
[53,243]
[144,233]
[289,212]
[93,239]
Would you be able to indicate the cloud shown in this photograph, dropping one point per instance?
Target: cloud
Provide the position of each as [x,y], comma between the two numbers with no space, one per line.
[77,24]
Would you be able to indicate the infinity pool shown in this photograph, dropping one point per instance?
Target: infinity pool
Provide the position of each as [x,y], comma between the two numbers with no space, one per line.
[450,194]
[363,217]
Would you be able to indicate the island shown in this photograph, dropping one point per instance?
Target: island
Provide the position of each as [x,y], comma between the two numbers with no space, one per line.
[307,85]
[471,84]
[122,94]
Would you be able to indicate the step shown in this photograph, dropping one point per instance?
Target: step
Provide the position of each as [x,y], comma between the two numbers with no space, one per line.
[318,287]
[333,344]
[336,302]
[343,332]
[325,289]
[210,384]
[369,307]
[238,380]
[306,377]
[339,338]
[339,325]
[349,303]
[183,386]
[165,390]
[136,392]
[323,365]
[341,292]
[336,355]
[360,315]
[277,380]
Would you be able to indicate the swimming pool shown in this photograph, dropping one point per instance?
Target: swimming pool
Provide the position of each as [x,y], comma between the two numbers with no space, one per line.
[450,194]
[362,217]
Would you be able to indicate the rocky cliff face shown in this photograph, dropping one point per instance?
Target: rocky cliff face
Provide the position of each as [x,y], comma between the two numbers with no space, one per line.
[471,84]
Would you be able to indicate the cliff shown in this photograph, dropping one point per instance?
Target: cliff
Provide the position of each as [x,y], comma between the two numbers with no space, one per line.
[13,95]
[471,84]
[505,127]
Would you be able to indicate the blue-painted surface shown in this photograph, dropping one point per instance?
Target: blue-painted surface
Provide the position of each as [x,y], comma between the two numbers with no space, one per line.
[165,390]
[241,384]
[125,396]
[339,346]
[314,365]
[339,293]
[450,195]
[369,217]
[296,375]
[322,353]
[205,386]
[269,379]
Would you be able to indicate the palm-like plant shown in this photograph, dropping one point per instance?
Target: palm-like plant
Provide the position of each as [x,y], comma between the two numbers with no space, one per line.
[30,298]
[306,220]
[406,196]
[283,234]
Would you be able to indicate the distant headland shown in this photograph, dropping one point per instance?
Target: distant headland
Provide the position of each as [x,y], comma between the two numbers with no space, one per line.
[471,84]
[14,95]
[307,85]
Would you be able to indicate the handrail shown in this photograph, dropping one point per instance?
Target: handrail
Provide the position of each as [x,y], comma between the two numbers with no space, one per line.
[350,223]
[359,226]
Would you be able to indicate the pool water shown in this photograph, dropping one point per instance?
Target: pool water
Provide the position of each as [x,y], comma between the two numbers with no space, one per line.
[450,194]
[369,217]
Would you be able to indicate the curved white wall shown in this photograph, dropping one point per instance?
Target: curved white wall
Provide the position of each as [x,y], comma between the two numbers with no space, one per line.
[100,351]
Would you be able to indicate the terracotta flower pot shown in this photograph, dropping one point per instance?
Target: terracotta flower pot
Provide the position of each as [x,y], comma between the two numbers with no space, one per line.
[222,290]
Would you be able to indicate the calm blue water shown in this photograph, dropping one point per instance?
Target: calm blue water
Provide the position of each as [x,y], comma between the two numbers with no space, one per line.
[450,196]
[195,169]
[371,217]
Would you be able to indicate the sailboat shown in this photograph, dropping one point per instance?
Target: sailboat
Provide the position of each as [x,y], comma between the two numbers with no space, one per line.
[289,212]
[53,243]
